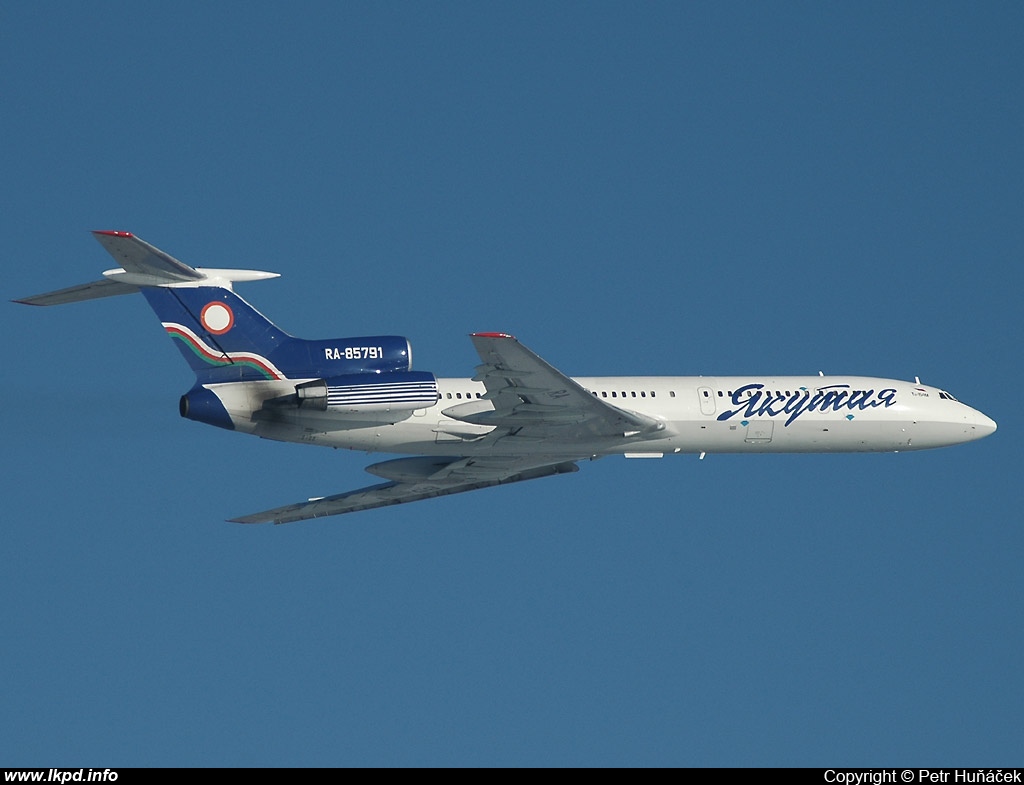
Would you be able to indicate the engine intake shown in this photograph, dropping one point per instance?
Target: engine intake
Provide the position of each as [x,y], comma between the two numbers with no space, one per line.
[202,405]
[312,395]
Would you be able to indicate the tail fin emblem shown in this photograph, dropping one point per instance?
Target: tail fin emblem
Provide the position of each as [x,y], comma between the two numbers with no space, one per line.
[217,318]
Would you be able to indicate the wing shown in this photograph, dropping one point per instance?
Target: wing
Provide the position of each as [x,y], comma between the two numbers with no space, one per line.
[417,478]
[527,398]
[528,402]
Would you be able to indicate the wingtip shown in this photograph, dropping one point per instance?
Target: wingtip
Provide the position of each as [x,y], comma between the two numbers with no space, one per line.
[256,518]
[492,335]
[111,233]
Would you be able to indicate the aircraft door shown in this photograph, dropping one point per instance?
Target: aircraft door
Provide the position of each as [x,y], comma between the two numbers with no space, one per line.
[706,396]
[760,431]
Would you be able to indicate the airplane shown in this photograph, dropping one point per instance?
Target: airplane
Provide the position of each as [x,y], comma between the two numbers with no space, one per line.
[517,418]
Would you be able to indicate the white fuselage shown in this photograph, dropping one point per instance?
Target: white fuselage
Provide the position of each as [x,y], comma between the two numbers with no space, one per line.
[701,414]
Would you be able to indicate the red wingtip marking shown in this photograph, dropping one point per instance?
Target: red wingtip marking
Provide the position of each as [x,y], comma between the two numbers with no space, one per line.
[493,335]
[113,234]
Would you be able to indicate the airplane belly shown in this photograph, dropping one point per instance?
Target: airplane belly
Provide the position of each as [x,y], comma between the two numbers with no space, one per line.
[773,435]
[840,435]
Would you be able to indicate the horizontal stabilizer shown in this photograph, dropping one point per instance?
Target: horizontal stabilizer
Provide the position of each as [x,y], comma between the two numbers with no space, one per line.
[137,256]
[142,265]
[86,291]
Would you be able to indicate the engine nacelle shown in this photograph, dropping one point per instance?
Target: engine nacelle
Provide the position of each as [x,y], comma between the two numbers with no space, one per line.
[370,393]
[415,469]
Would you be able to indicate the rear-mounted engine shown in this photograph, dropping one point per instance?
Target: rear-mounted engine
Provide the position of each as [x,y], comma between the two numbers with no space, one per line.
[201,405]
[398,391]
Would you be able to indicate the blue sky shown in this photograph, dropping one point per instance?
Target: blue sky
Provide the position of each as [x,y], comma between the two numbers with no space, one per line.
[662,188]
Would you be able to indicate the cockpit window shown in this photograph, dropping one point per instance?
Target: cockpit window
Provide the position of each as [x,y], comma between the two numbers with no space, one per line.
[946,396]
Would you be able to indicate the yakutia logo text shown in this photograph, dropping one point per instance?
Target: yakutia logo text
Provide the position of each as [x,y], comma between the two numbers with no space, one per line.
[752,400]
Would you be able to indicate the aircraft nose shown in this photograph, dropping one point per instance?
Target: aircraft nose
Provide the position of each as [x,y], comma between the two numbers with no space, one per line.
[981,425]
